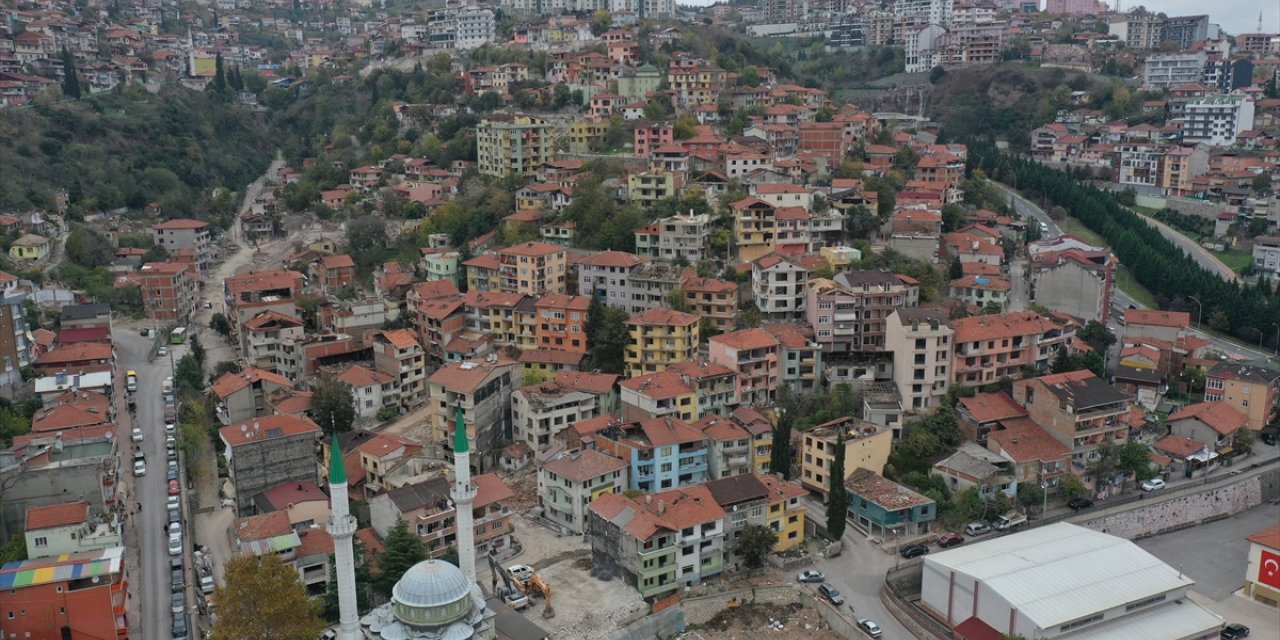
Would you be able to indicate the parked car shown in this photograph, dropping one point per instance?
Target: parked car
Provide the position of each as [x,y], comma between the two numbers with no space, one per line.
[171,474]
[977,528]
[175,545]
[948,540]
[145,332]
[810,575]
[178,604]
[179,626]
[869,627]
[174,489]
[174,502]
[206,584]
[139,454]
[913,551]
[137,435]
[175,516]
[170,428]
[1077,504]
[1234,631]
[521,572]
[176,580]
[1154,484]
[831,593]
[139,468]
[164,351]
[1270,435]
[175,528]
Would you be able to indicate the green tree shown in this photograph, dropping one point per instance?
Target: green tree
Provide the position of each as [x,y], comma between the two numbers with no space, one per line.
[12,424]
[780,459]
[219,323]
[224,367]
[753,545]
[1133,459]
[219,76]
[197,351]
[1030,494]
[333,406]
[952,217]
[15,551]
[607,337]
[1062,361]
[188,377]
[367,240]
[1096,335]
[402,549]
[70,82]
[1071,487]
[264,599]
[956,270]
[1219,321]
[88,248]
[837,495]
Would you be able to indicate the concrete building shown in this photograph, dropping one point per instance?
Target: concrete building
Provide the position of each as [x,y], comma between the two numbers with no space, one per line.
[1079,409]
[397,353]
[483,390]
[1061,580]
[569,482]
[1266,256]
[922,346]
[626,536]
[1070,276]
[778,287]
[661,453]
[267,452]
[513,145]
[249,294]
[881,508]
[760,499]
[168,292]
[754,356]
[532,269]
[432,513]
[659,339]
[1262,579]
[176,235]
[714,300]
[866,445]
[264,337]
[540,411]
[848,313]
[1254,391]
[973,466]
[78,595]
[69,527]
[1217,120]
[42,469]
[649,285]
[729,446]
[605,276]
[244,396]
[15,335]
[1168,70]
[991,347]
[684,236]
[371,389]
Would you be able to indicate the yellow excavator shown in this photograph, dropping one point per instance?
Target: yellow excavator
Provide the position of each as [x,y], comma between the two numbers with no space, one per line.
[525,580]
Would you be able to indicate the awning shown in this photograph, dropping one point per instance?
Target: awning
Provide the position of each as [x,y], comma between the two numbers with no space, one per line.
[1203,455]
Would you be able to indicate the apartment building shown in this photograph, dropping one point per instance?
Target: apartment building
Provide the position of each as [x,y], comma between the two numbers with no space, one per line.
[659,339]
[627,537]
[570,482]
[1266,256]
[267,452]
[1077,408]
[245,395]
[754,356]
[1038,457]
[685,236]
[532,269]
[991,347]
[1072,277]
[728,446]
[16,341]
[540,411]
[429,508]
[754,228]
[661,453]
[264,337]
[647,188]
[248,294]
[848,313]
[921,342]
[650,285]
[1137,165]
[513,145]
[180,234]
[659,395]
[866,445]
[1169,70]
[1217,120]
[561,322]
[1254,391]
[168,291]
[483,390]
[778,287]
[647,136]
[760,499]
[397,353]
[715,300]
[1181,166]
[605,276]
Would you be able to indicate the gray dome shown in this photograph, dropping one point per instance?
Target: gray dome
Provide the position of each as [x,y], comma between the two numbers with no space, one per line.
[431,583]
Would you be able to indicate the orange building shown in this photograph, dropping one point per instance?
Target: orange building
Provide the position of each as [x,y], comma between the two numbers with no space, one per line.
[168,290]
[80,596]
[562,322]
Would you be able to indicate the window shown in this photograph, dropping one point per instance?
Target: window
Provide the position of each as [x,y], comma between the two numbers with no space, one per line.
[42,542]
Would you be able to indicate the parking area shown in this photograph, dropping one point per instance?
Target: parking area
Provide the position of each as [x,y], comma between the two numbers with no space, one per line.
[1215,556]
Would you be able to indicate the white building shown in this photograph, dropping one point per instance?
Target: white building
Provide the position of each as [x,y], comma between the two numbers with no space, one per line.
[473,28]
[1266,256]
[540,411]
[779,287]
[569,482]
[920,340]
[684,235]
[1216,120]
[372,390]
[1062,580]
[605,276]
[1169,70]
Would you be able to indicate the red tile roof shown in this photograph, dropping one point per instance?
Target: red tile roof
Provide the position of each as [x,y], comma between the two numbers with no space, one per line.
[490,489]
[78,352]
[263,280]
[1220,416]
[262,526]
[266,428]
[181,224]
[269,318]
[534,249]
[1269,537]
[584,465]
[664,317]
[613,259]
[659,386]
[597,383]
[314,541]
[57,515]
[1179,446]
[664,432]
[338,262]
[1177,319]
[746,339]
[467,376]
[230,383]
[987,407]
[64,417]
[400,338]
[360,376]
[285,495]
[1025,441]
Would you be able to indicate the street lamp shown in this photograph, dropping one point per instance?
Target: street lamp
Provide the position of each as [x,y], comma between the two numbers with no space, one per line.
[1199,312]
[1277,326]
[1261,336]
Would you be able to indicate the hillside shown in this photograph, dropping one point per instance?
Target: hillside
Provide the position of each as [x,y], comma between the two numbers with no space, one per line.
[130,149]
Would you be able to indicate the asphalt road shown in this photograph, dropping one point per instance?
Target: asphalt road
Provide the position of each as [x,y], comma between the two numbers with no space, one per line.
[152,582]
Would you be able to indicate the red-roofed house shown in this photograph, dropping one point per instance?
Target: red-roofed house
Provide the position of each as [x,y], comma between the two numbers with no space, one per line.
[662,452]
[372,390]
[266,452]
[483,390]
[982,413]
[397,353]
[337,272]
[1213,423]
[243,396]
[249,294]
[568,483]
[57,529]
[304,502]
[754,355]
[660,338]
[83,356]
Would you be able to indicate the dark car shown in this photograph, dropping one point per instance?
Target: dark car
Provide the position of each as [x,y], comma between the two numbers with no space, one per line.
[180,625]
[177,580]
[175,516]
[1270,435]
[831,593]
[1077,504]
[1234,631]
[913,551]
[948,540]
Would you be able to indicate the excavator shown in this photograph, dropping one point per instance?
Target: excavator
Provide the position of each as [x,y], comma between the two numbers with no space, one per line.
[521,583]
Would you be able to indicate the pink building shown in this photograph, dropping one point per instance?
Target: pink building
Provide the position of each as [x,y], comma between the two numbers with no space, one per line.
[753,355]
[650,136]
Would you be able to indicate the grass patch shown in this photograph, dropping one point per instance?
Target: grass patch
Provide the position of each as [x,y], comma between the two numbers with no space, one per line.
[1235,260]
[1076,228]
[1146,211]
[1126,283]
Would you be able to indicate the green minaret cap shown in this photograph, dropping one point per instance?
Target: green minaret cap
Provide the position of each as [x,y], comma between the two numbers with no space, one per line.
[337,472]
[460,444]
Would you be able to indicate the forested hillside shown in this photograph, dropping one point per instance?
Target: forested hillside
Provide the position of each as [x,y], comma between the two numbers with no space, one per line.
[130,149]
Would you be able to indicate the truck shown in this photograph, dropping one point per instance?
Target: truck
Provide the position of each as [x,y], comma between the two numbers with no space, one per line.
[1009,521]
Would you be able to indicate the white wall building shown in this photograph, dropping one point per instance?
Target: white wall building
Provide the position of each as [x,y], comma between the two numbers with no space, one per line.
[920,340]
[539,412]
[1169,70]
[1216,120]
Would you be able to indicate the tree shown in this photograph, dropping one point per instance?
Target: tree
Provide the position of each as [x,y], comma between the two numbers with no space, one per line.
[333,406]
[366,240]
[1133,459]
[197,351]
[402,549]
[607,336]
[837,496]
[15,551]
[1030,494]
[952,217]
[1061,361]
[1219,321]
[188,377]
[70,83]
[88,248]
[780,460]
[12,424]
[219,77]
[956,270]
[263,599]
[224,367]
[1096,335]
[753,544]
[1071,487]
[219,323]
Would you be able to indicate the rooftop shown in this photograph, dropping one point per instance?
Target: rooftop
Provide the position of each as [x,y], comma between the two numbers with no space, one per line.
[584,465]
[1081,389]
[1025,441]
[57,515]
[267,428]
[871,486]
[1219,416]
[987,407]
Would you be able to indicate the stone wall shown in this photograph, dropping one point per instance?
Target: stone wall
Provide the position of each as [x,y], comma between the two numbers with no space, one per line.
[1184,511]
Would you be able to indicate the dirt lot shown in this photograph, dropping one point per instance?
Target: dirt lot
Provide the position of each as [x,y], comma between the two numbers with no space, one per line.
[754,621]
[585,607]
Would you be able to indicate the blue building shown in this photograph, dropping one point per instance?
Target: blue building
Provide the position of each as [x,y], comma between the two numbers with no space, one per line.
[663,453]
[886,510]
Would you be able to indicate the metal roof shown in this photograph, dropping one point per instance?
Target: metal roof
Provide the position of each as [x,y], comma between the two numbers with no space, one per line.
[75,566]
[1061,572]
[1185,619]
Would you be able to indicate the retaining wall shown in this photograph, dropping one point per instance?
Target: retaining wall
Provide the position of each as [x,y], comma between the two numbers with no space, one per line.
[1183,511]
[664,624]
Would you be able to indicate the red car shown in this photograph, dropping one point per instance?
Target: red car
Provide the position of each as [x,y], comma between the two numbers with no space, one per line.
[950,540]
[173,487]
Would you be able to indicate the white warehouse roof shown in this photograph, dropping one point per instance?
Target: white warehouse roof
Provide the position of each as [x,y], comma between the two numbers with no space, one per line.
[1059,573]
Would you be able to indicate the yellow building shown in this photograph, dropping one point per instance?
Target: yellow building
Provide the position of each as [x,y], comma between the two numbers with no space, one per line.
[482,273]
[646,189]
[866,445]
[785,514]
[659,339]
[586,136]
[760,499]
[755,228]
[29,247]
[533,269]
[513,145]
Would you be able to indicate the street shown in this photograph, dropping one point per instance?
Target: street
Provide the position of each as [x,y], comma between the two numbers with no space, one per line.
[151,584]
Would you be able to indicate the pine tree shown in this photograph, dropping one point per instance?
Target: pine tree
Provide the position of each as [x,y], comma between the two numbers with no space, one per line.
[956,270]
[780,460]
[219,77]
[401,550]
[235,79]
[837,496]
[70,83]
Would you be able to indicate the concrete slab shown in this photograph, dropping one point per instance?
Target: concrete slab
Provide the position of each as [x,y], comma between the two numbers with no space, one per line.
[1213,554]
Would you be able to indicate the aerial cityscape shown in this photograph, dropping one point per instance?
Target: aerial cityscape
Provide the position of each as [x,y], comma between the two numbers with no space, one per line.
[637,319]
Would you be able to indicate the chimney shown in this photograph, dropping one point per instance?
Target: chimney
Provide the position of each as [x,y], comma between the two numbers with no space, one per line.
[648,499]
[662,507]
[1015,441]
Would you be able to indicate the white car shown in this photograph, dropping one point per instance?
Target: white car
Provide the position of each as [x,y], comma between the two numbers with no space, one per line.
[521,572]
[164,351]
[170,442]
[139,468]
[170,428]
[175,528]
[1153,484]
[175,545]
[810,575]
[137,435]
[173,502]
[869,627]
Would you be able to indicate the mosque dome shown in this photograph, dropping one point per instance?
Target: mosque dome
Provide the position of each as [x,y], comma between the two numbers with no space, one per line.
[431,593]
